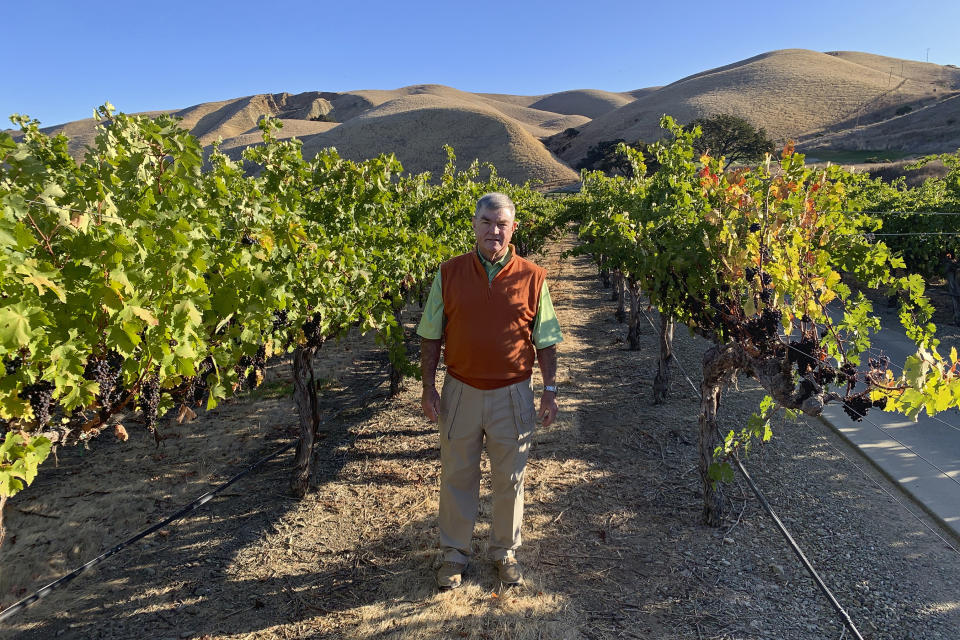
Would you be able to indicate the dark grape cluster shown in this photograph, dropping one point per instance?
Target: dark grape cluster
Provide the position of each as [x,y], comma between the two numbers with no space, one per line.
[881,402]
[197,387]
[764,326]
[247,240]
[848,373]
[311,330]
[879,364]
[856,406]
[825,374]
[754,227]
[748,273]
[804,354]
[257,367]
[40,396]
[12,365]
[765,279]
[766,295]
[105,370]
[281,319]
[149,399]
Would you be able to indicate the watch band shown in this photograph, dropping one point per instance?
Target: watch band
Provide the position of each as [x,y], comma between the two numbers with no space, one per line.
[550,387]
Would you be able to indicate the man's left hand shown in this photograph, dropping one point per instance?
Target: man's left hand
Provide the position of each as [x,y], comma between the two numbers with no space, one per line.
[548,408]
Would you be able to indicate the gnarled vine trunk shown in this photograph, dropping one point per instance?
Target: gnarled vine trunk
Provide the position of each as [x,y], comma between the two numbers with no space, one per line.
[619,295]
[720,365]
[396,374]
[661,383]
[305,395]
[633,331]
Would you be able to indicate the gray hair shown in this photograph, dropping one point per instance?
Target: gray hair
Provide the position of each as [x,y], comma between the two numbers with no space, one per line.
[495,201]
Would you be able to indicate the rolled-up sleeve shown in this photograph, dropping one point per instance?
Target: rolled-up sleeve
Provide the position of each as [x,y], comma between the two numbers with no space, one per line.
[546,326]
[431,323]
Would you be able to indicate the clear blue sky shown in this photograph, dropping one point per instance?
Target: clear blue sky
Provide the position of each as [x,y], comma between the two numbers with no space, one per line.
[61,59]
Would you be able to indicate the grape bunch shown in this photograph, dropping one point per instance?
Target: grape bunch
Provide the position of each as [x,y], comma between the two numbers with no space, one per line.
[825,374]
[280,319]
[241,369]
[856,406]
[12,365]
[764,326]
[259,366]
[311,330]
[105,371]
[40,396]
[196,388]
[805,353]
[149,399]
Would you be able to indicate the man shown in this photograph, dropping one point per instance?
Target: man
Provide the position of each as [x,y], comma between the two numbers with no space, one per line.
[493,310]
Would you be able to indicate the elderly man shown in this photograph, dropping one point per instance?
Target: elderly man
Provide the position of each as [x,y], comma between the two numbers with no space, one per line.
[493,310]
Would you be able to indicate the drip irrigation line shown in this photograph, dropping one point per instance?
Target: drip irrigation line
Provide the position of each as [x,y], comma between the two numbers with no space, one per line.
[848,623]
[844,616]
[60,582]
[43,592]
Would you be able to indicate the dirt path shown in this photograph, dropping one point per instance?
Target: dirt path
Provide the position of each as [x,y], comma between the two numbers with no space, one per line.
[612,542]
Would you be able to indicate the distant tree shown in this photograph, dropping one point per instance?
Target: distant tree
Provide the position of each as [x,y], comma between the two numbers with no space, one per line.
[731,137]
[605,157]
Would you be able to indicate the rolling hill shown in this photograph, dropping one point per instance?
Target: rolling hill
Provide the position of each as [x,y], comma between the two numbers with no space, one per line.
[840,100]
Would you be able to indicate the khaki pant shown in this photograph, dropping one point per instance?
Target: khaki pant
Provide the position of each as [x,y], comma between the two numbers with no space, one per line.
[506,417]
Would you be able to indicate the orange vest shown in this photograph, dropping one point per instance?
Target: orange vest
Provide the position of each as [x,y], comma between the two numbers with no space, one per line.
[488,330]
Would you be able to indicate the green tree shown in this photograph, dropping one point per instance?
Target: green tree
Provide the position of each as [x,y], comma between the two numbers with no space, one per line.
[730,137]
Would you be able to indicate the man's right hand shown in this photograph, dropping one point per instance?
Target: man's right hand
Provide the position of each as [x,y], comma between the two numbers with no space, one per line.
[430,401]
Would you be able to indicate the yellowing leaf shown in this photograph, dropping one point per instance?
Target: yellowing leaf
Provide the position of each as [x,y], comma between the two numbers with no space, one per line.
[145,315]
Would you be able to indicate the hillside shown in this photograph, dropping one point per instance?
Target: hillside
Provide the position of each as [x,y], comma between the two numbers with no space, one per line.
[789,93]
[841,100]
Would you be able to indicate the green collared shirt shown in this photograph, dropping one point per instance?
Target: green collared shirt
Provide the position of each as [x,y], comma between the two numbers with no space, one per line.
[546,327]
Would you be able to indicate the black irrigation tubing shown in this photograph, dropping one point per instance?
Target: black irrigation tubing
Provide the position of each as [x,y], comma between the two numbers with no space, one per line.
[60,582]
[845,617]
[799,552]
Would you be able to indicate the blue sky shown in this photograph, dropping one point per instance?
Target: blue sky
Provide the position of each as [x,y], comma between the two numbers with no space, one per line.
[61,59]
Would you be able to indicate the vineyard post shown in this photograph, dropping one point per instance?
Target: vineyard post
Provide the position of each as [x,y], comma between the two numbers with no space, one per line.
[305,395]
[3,531]
[661,383]
[633,331]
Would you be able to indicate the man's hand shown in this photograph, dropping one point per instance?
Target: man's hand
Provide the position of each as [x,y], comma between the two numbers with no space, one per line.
[548,408]
[430,401]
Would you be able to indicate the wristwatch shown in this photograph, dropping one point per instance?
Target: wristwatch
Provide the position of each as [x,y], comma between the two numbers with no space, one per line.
[550,387]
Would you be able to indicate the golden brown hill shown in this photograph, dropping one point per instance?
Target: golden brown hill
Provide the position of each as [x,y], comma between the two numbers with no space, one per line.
[415,128]
[934,128]
[837,100]
[585,102]
[789,93]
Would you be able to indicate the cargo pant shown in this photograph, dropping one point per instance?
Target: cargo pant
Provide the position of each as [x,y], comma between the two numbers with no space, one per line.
[505,417]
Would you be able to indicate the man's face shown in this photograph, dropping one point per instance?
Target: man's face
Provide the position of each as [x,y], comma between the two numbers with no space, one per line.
[494,228]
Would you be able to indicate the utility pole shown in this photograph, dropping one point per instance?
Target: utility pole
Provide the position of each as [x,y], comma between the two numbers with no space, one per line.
[928,54]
